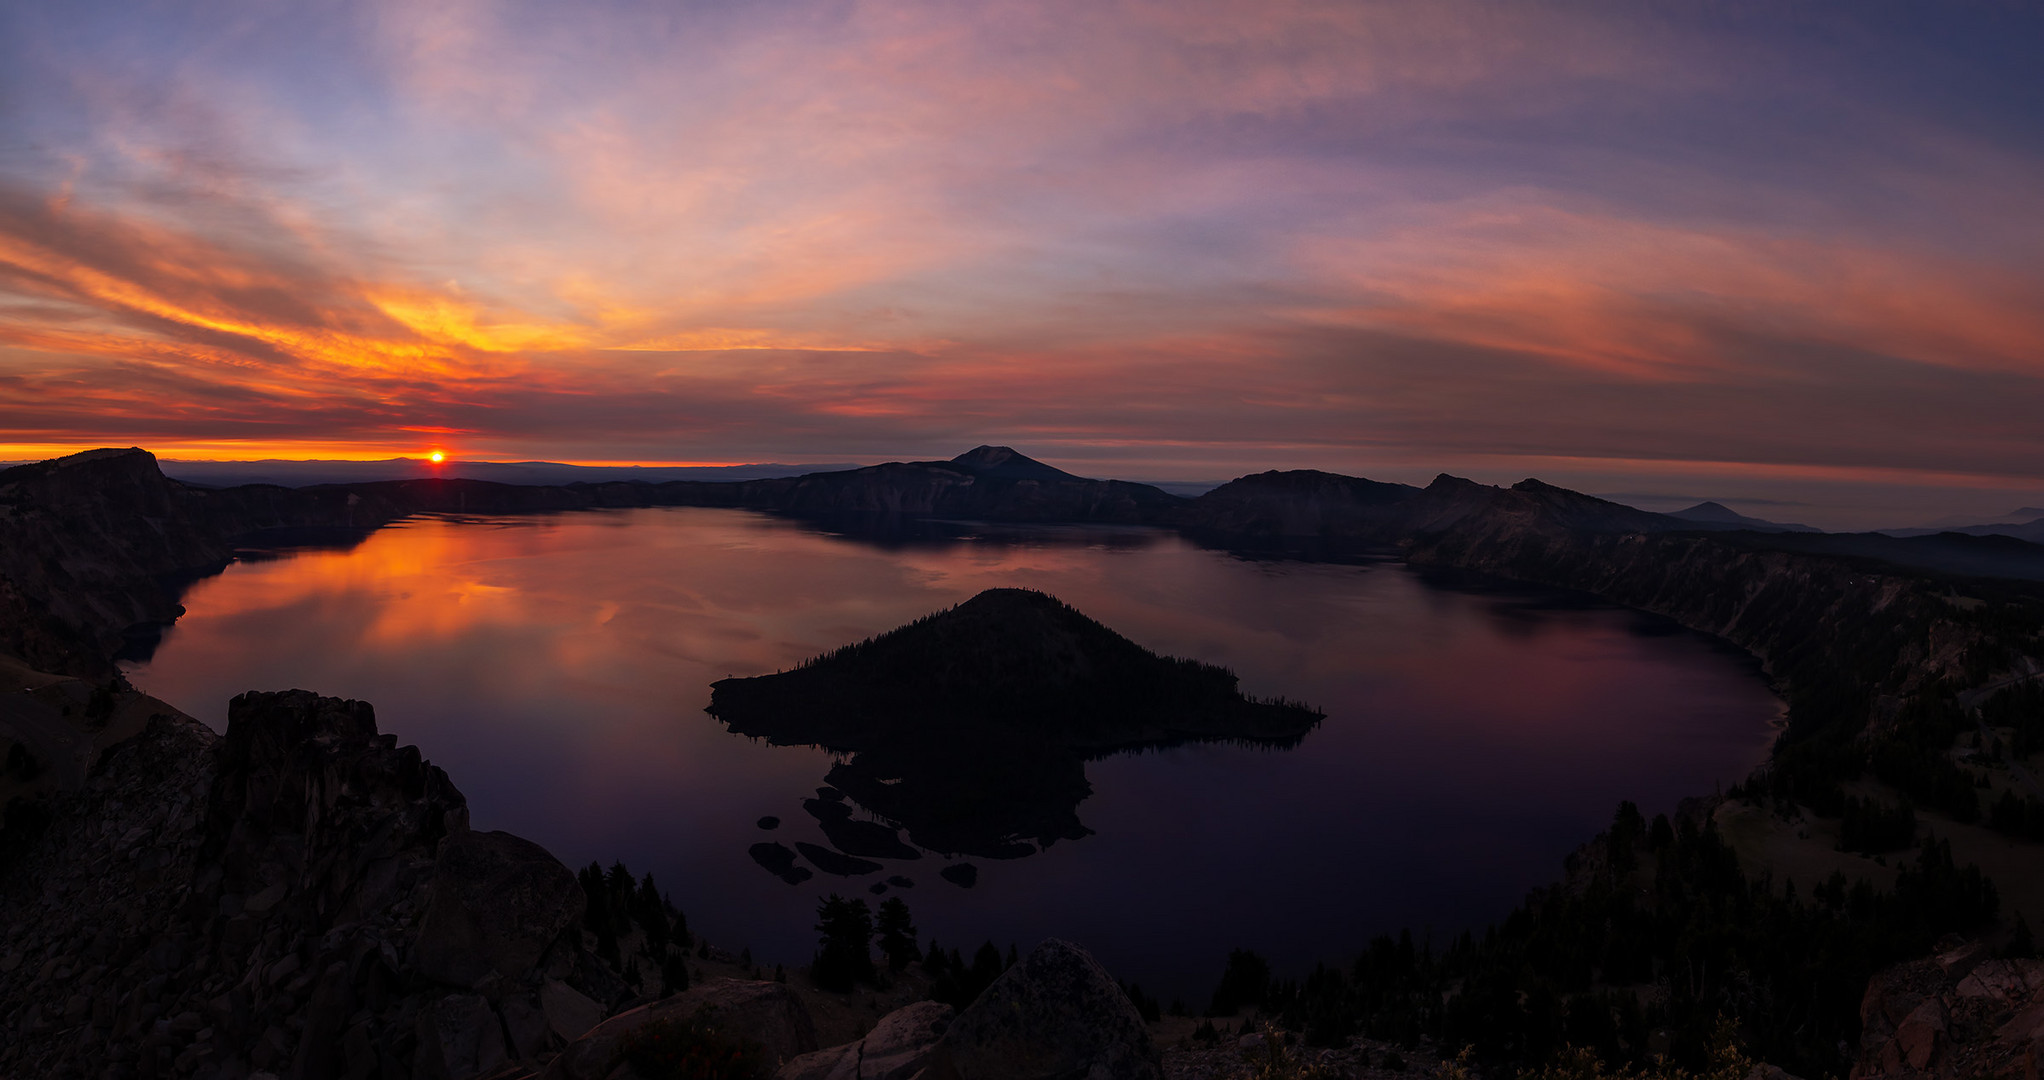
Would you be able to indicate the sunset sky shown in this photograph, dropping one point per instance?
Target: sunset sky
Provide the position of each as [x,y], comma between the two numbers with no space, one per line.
[1785,252]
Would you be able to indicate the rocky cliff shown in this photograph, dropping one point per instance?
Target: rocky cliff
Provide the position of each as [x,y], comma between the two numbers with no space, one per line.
[89,545]
[300,896]
[1958,1013]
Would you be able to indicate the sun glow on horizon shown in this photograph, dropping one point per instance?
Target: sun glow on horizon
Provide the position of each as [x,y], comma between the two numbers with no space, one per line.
[436,457]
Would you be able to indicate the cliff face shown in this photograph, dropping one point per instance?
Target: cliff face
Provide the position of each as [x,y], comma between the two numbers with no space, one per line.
[1843,637]
[1304,504]
[1841,622]
[301,896]
[87,544]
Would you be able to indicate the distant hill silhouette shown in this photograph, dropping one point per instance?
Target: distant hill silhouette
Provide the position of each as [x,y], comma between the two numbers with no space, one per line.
[1717,513]
[987,483]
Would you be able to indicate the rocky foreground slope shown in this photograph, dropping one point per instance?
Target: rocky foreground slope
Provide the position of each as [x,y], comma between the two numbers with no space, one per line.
[304,898]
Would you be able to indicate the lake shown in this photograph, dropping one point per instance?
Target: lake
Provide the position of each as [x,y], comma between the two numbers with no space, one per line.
[558,666]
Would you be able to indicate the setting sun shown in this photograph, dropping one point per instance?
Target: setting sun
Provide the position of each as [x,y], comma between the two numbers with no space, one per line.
[436,457]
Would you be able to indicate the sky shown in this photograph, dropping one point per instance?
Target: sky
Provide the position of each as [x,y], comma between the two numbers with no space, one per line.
[1786,254]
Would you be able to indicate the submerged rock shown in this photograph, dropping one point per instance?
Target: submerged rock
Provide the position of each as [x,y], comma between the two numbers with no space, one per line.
[964,875]
[868,838]
[828,810]
[780,862]
[831,862]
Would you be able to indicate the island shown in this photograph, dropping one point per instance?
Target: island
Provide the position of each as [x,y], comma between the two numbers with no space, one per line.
[971,727]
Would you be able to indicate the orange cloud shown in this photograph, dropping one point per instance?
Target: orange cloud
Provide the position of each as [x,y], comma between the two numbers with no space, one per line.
[1638,298]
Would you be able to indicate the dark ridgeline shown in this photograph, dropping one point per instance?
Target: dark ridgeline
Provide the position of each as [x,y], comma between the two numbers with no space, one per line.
[95,547]
[971,727]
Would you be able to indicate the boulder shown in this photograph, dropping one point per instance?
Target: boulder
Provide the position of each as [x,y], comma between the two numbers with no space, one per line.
[525,1026]
[1921,1034]
[497,902]
[766,1013]
[1956,1014]
[897,1048]
[569,1013]
[459,1037]
[1056,1014]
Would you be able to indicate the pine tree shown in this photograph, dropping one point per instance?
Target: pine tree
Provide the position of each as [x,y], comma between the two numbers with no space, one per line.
[674,972]
[846,934]
[651,913]
[897,934]
[680,934]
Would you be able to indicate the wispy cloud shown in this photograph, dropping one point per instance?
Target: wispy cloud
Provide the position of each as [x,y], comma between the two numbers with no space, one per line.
[1311,233]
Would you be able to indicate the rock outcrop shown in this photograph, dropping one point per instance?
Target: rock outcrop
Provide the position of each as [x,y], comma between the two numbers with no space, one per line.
[1956,1014]
[1056,1014]
[300,896]
[898,1048]
[89,546]
[765,1014]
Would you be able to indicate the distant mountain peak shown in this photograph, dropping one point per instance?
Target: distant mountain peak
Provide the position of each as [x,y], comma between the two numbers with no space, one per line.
[1709,511]
[1008,463]
[1717,513]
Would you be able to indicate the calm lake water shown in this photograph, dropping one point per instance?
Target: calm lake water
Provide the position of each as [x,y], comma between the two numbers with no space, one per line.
[558,666]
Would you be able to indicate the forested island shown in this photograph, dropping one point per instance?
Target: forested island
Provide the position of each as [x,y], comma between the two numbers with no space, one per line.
[970,728]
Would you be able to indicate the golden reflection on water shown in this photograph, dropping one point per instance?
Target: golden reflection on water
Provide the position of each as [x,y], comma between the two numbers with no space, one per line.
[558,666]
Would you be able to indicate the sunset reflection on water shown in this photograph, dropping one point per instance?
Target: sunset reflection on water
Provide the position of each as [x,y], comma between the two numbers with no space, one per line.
[558,667]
